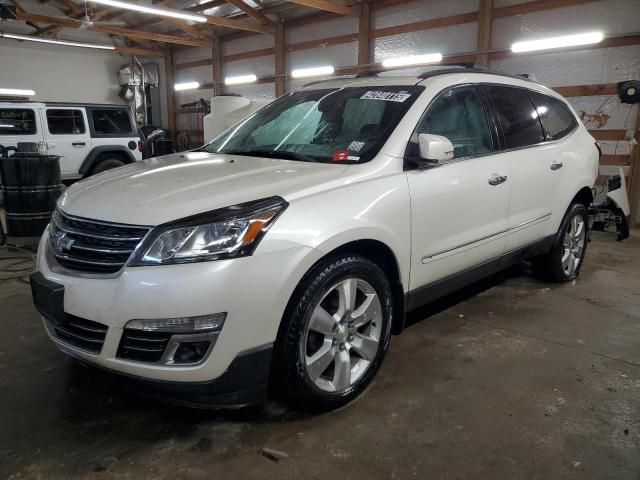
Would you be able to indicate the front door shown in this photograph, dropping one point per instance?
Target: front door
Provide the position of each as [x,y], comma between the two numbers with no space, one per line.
[459,208]
[67,135]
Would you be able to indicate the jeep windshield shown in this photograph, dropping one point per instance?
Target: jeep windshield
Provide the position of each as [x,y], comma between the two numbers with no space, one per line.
[347,125]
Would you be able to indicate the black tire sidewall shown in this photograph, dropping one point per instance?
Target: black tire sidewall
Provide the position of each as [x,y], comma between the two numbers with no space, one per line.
[558,248]
[99,167]
[300,389]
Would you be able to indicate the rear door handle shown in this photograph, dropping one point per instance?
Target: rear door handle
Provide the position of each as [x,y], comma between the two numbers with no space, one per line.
[497,179]
[556,166]
[78,144]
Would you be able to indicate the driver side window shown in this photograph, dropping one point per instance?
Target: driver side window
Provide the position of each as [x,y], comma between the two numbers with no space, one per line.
[458,114]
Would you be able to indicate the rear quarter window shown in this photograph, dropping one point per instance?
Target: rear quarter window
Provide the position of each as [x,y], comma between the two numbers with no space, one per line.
[111,122]
[17,121]
[557,118]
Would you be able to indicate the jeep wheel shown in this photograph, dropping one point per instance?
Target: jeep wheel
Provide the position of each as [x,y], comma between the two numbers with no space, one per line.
[334,338]
[106,164]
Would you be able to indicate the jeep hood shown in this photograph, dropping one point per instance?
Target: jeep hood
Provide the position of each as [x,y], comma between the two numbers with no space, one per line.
[167,188]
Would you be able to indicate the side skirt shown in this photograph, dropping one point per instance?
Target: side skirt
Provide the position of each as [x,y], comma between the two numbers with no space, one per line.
[440,288]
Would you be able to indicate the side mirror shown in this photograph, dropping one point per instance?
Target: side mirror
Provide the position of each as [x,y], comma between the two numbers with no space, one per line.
[435,148]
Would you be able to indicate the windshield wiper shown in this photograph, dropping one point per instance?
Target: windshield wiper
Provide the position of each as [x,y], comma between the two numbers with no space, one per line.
[283,154]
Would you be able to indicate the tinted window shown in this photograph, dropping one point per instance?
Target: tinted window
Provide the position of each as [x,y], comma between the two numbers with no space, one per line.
[517,116]
[17,121]
[458,114]
[111,122]
[65,121]
[555,115]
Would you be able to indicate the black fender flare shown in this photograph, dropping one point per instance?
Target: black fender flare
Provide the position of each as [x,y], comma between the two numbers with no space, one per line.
[92,158]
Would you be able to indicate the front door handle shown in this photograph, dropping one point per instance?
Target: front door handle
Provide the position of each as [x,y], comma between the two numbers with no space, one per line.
[78,144]
[497,179]
[556,166]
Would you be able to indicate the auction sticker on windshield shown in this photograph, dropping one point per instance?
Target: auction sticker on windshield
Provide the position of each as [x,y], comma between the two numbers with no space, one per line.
[386,96]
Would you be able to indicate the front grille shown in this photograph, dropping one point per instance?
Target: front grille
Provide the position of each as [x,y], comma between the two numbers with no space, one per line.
[143,346]
[92,245]
[78,332]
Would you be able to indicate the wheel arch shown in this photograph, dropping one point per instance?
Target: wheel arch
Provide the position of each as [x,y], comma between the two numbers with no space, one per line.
[98,153]
[584,196]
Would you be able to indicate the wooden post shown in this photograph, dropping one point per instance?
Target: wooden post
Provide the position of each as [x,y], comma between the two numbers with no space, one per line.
[484,32]
[280,54]
[634,177]
[216,62]
[169,89]
[364,38]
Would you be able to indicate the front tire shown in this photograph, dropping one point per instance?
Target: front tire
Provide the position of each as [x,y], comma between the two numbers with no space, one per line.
[335,333]
[563,261]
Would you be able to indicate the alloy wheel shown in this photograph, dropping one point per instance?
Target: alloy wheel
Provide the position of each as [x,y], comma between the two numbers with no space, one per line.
[573,245]
[343,335]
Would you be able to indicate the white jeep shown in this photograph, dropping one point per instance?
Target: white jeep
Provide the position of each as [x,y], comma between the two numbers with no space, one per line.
[89,138]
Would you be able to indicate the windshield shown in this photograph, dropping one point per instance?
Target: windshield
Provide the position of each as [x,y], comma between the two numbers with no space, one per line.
[347,125]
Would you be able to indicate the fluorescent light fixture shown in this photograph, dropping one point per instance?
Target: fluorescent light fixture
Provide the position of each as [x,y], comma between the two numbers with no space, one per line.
[558,42]
[17,92]
[312,72]
[68,43]
[412,60]
[240,79]
[186,86]
[153,10]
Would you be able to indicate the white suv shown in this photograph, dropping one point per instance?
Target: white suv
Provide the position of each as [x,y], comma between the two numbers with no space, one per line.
[282,256]
[89,138]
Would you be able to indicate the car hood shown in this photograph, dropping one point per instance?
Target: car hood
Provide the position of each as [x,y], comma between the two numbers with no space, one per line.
[159,190]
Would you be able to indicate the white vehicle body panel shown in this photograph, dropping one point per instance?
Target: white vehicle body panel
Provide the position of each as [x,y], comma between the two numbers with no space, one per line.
[436,221]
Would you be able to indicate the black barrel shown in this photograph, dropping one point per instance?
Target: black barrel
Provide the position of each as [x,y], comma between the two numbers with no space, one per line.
[30,186]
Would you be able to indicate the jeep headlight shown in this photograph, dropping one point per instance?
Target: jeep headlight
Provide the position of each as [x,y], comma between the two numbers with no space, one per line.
[227,233]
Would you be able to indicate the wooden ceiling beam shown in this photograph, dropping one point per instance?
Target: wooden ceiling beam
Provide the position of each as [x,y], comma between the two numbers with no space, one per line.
[250,11]
[326,6]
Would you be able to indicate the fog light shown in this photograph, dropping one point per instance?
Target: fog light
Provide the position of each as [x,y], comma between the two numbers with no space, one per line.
[190,352]
[201,324]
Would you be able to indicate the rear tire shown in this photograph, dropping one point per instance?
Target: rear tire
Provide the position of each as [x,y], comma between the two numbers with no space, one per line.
[334,334]
[107,164]
[563,261]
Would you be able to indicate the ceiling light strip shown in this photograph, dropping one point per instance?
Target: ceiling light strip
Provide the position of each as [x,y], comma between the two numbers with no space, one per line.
[67,43]
[153,10]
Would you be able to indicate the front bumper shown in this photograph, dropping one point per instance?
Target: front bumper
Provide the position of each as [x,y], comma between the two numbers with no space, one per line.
[253,290]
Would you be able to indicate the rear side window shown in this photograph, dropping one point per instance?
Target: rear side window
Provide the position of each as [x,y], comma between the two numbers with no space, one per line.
[17,121]
[555,115]
[517,116]
[61,122]
[111,122]
[458,114]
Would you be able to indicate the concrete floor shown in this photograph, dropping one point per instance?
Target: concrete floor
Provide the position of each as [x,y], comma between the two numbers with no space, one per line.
[509,379]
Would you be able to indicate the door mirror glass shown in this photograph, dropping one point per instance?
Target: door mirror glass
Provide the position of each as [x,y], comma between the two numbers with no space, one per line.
[435,148]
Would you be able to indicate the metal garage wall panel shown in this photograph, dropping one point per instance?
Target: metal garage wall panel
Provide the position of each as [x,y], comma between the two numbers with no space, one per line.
[611,16]
[260,66]
[263,91]
[418,11]
[344,55]
[458,38]
[318,30]
[247,44]
[202,74]
[191,54]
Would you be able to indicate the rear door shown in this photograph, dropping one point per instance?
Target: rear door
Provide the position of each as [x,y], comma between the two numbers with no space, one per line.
[67,135]
[20,124]
[529,158]
[458,209]
[114,126]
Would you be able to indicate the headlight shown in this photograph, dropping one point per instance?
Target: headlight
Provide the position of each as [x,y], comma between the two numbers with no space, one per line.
[227,233]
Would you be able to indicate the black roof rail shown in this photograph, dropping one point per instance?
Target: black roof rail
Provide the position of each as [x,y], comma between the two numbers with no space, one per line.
[444,71]
[368,73]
